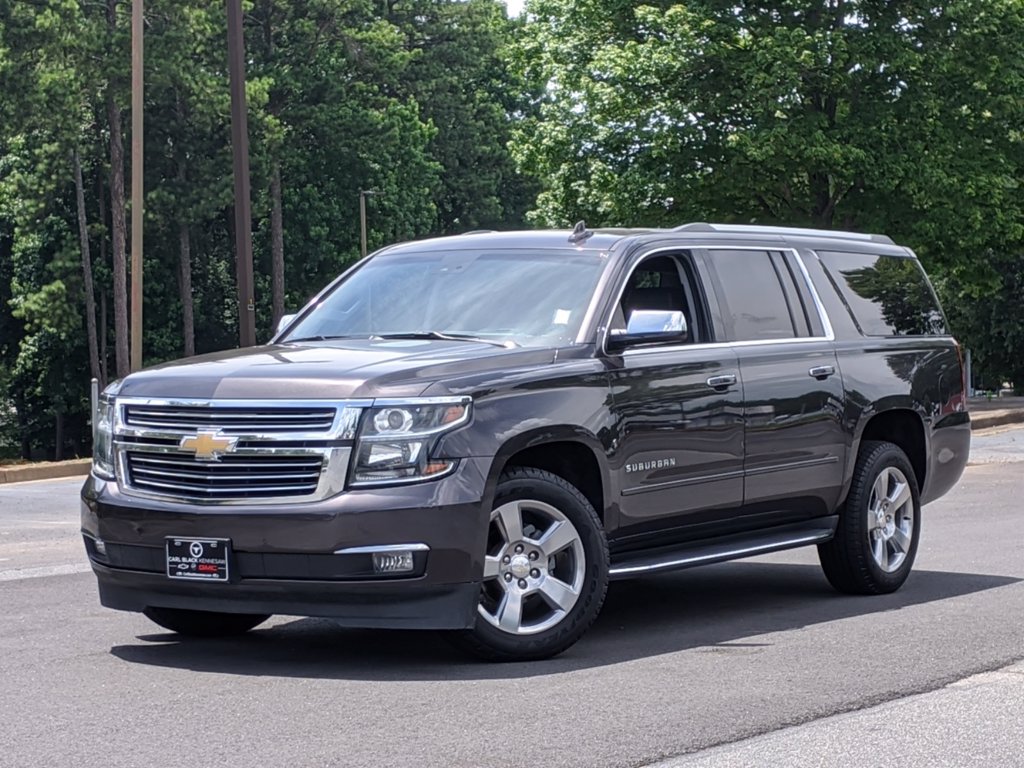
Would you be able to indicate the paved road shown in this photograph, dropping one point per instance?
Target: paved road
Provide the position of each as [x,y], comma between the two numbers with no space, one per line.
[676,664]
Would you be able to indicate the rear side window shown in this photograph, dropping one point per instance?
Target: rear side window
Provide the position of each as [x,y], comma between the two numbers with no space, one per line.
[887,295]
[753,300]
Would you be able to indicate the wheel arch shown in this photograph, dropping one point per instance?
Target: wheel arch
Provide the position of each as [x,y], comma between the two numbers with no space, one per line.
[905,428]
[572,453]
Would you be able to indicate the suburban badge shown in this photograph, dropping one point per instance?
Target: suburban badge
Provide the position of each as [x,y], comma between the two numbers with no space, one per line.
[645,466]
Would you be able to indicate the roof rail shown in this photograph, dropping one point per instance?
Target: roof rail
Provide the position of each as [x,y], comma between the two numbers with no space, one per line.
[478,232]
[757,229]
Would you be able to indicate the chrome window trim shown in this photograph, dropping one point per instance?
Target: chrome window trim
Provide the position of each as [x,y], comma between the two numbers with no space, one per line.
[720,345]
[818,303]
[767,248]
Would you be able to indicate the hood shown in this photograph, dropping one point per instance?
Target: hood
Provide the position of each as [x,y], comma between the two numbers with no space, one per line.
[329,370]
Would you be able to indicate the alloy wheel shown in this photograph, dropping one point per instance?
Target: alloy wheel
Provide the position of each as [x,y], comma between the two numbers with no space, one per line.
[534,568]
[890,519]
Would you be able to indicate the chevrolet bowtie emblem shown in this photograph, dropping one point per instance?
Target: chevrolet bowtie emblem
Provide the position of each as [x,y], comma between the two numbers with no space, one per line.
[208,445]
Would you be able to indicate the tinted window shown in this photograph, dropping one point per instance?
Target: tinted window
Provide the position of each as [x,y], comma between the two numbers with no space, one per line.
[752,297]
[887,295]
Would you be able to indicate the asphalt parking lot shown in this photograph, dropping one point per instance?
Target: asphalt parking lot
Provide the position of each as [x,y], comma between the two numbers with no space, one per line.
[676,664]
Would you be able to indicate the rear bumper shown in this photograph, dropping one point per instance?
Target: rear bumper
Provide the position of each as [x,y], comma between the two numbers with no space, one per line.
[948,452]
[286,559]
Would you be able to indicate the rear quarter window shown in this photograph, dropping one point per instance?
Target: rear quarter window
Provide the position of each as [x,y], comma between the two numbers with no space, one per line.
[886,295]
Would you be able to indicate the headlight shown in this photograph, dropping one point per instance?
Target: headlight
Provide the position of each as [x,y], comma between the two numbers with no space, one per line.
[397,437]
[103,437]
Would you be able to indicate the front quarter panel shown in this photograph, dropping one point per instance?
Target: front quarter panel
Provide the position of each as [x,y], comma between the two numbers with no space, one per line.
[567,400]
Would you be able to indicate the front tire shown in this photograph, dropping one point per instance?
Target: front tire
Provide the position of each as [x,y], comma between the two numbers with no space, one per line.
[545,570]
[203,623]
[875,544]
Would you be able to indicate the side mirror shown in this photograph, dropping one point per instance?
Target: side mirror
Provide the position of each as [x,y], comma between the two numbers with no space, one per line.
[649,326]
[284,322]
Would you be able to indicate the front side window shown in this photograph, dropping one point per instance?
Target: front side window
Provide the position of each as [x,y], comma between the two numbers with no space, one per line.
[887,295]
[529,298]
[662,282]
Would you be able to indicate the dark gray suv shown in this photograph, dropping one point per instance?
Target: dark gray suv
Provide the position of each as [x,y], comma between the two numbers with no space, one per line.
[478,433]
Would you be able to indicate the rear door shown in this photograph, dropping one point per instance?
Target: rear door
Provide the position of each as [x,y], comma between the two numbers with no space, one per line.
[795,446]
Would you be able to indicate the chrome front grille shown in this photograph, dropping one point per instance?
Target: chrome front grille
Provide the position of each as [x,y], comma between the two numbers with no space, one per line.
[231,420]
[250,476]
[234,451]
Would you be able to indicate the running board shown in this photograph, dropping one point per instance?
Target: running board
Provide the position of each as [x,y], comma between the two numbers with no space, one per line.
[733,547]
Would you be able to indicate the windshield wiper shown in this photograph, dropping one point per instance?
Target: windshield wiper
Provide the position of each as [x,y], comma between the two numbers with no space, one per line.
[321,338]
[508,344]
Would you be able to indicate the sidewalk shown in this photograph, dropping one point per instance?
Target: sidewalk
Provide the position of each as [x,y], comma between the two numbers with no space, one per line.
[43,470]
[974,722]
[987,413]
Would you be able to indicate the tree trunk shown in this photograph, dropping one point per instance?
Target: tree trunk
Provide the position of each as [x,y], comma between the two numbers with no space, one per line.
[185,289]
[188,328]
[58,451]
[276,246]
[117,220]
[26,443]
[101,198]
[90,298]
[103,336]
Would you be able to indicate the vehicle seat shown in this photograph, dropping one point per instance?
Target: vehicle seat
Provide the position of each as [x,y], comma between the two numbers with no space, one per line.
[667,298]
[667,294]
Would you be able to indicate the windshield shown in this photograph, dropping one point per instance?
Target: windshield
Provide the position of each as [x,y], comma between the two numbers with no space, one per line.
[529,298]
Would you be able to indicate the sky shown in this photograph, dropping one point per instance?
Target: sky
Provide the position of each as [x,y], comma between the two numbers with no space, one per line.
[514,7]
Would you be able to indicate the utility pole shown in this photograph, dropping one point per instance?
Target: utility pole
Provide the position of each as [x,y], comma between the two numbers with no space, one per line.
[137,204]
[363,194]
[240,154]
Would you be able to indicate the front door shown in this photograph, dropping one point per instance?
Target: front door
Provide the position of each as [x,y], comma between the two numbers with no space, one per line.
[677,458]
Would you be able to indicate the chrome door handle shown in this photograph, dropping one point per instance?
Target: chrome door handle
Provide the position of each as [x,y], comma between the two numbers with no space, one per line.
[718,382]
[822,371]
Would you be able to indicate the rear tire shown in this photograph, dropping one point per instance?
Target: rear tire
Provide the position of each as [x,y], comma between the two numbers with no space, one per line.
[545,572]
[875,544]
[203,623]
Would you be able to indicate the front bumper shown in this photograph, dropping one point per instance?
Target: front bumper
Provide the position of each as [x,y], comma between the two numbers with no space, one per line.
[284,556]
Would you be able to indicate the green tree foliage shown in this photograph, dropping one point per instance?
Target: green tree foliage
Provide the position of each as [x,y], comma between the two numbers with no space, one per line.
[329,120]
[46,115]
[990,321]
[460,73]
[335,106]
[892,116]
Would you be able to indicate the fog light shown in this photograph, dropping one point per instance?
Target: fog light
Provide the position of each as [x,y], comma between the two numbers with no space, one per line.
[101,547]
[393,562]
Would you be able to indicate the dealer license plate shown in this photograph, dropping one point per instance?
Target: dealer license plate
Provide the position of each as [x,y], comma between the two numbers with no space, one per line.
[198,559]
